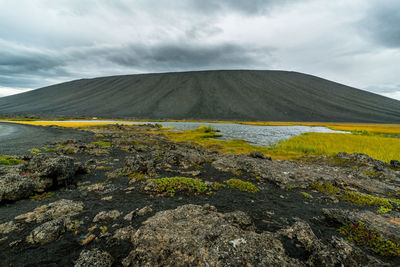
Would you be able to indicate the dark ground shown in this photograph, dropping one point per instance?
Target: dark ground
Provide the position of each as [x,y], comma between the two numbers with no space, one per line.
[242,95]
[270,209]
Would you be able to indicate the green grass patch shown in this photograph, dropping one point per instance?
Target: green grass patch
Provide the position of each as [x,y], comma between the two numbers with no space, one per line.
[371,173]
[137,176]
[242,186]
[361,235]
[306,195]
[10,160]
[103,168]
[357,198]
[89,185]
[35,151]
[101,144]
[218,186]
[171,185]
[326,188]
[42,196]
[365,199]
[383,210]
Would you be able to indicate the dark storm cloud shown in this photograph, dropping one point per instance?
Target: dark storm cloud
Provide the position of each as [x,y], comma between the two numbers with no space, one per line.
[176,57]
[382,23]
[26,68]
[252,7]
[21,81]
[29,64]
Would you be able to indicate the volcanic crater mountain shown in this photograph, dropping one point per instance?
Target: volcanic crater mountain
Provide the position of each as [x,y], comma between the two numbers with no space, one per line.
[246,95]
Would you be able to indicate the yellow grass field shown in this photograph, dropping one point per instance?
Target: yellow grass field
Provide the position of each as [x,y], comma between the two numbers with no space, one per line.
[64,123]
[382,148]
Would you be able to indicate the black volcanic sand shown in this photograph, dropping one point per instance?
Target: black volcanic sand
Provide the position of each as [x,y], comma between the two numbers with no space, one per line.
[242,95]
[271,209]
[25,137]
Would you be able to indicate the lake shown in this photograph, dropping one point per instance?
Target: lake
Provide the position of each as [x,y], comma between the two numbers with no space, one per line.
[7,130]
[256,135]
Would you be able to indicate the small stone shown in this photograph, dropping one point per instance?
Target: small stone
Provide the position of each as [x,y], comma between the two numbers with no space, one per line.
[8,227]
[54,210]
[106,215]
[150,185]
[88,239]
[107,198]
[144,211]
[94,257]
[129,216]
[14,243]
[130,188]
[95,187]
[258,155]
[124,233]
[49,231]
[237,242]
[395,163]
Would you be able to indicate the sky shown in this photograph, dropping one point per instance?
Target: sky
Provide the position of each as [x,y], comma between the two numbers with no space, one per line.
[354,42]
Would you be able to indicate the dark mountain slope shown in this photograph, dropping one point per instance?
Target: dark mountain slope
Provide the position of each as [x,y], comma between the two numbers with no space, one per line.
[213,95]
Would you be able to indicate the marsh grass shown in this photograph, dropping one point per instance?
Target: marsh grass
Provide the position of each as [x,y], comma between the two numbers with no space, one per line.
[10,160]
[378,147]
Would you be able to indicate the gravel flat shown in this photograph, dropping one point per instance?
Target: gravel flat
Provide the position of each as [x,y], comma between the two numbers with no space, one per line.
[17,139]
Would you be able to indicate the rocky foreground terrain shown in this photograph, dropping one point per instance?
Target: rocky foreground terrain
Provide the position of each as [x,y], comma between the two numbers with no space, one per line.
[127,196]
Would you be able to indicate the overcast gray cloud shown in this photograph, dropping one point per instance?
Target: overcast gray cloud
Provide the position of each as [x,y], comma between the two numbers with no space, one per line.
[355,42]
[382,23]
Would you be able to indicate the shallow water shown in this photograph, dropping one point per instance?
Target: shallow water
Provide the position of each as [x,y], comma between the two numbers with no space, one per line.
[256,135]
[6,131]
